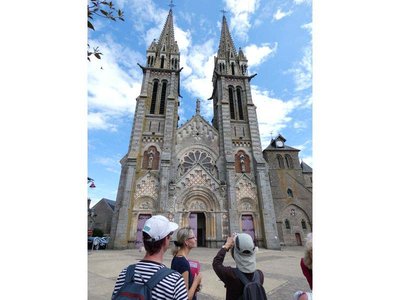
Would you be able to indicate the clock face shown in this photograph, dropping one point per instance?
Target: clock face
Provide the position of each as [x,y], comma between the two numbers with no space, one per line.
[279,143]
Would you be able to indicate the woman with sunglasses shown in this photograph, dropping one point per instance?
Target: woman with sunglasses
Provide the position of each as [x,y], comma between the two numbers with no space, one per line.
[185,242]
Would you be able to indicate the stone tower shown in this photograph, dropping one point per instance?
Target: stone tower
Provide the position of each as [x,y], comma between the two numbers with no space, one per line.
[145,168]
[240,153]
[211,177]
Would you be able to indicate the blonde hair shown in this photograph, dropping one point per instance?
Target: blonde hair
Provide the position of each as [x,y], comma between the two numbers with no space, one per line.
[308,252]
[181,236]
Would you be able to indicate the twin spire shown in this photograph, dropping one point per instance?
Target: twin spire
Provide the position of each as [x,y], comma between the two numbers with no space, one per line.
[164,53]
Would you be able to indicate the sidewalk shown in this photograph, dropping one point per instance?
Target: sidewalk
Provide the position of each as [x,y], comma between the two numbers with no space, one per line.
[281,269]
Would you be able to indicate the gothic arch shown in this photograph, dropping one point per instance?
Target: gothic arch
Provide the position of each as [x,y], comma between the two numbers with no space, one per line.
[151,158]
[145,203]
[242,162]
[247,205]
[198,197]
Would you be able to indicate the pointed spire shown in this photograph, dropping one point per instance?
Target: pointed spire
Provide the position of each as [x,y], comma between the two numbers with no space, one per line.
[226,47]
[166,42]
[197,106]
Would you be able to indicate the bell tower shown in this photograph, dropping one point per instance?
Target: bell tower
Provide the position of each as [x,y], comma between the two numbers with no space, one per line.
[143,185]
[240,157]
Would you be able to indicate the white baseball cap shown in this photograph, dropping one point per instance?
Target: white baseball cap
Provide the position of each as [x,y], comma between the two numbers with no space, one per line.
[158,227]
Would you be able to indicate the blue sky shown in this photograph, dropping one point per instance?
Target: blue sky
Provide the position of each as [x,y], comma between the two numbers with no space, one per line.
[276,37]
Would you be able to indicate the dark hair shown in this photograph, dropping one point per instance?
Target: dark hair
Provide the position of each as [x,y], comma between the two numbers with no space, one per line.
[151,246]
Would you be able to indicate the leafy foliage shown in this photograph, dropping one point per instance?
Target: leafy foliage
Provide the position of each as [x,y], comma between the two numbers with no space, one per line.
[103,9]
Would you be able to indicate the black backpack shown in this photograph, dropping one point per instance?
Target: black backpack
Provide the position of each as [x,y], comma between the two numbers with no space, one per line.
[253,290]
[132,290]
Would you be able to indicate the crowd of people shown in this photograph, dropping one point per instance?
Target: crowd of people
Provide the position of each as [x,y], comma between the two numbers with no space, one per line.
[182,280]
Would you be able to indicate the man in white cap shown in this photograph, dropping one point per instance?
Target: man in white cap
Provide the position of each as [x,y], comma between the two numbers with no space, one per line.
[243,252]
[157,232]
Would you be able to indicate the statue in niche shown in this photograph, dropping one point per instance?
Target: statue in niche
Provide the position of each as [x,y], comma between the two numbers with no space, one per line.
[150,159]
[242,166]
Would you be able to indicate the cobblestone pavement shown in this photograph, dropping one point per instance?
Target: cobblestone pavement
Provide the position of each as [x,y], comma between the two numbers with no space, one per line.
[281,269]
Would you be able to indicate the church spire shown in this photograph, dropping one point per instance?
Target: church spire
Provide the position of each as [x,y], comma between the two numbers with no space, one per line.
[226,47]
[164,53]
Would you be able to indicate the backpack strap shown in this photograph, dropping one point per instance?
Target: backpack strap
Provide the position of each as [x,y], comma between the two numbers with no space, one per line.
[241,276]
[244,279]
[130,273]
[158,276]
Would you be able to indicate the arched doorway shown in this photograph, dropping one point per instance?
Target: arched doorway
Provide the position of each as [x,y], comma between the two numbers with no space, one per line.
[197,221]
[298,239]
[248,225]
[139,234]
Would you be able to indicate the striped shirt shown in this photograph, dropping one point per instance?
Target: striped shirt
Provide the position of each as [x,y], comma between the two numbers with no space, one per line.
[170,287]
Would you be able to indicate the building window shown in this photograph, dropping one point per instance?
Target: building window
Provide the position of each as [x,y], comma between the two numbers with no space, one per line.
[280,161]
[287,224]
[289,161]
[303,224]
[233,68]
[290,193]
[231,104]
[240,105]
[154,97]
[162,62]
[163,94]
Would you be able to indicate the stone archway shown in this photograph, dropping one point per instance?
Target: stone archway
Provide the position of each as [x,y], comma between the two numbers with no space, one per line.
[200,210]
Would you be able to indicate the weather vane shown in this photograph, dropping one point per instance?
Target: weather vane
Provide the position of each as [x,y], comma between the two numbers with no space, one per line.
[171,5]
[223,11]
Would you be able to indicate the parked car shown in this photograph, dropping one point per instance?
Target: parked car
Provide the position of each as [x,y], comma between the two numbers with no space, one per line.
[96,242]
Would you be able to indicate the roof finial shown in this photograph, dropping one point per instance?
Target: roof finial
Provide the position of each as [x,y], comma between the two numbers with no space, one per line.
[271,134]
[223,12]
[171,5]
[197,106]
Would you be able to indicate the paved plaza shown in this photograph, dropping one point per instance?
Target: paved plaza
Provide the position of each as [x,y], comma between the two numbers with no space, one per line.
[281,269]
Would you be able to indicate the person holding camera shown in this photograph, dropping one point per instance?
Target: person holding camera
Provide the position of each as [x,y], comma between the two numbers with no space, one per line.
[243,252]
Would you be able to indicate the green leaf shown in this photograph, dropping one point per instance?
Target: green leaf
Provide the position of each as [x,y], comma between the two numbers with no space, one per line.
[89,24]
[104,12]
[97,55]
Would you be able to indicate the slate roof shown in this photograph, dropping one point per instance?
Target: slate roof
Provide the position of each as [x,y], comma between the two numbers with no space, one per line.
[306,168]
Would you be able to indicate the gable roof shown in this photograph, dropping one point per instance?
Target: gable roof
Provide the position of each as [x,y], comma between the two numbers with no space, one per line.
[306,168]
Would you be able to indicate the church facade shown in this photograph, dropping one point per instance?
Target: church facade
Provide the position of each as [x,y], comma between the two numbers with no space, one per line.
[212,177]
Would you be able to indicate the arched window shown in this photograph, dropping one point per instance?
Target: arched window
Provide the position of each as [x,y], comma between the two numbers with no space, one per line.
[148,60]
[151,158]
[287,224]
[163,94]
[154,97]
[289,161]
[162,62]
[303,224]
[290,193]
[280,161]
[233,68]
[240,104]
[231,103]
[242,162]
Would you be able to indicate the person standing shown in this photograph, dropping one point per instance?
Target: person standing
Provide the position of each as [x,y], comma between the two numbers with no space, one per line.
[185,242]
[157,232]
[306,268]
[243,252]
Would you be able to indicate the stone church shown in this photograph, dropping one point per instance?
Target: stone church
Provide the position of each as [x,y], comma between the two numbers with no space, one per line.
[212,177]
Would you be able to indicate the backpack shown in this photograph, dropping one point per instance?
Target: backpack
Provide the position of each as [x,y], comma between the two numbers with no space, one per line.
[253,290]
[132,290]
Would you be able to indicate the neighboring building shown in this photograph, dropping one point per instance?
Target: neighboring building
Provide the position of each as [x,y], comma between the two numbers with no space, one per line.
[103,212]
[212,177]
[291,185]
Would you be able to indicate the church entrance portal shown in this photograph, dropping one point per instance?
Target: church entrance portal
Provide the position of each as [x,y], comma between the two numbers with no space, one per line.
[197,221]
[298,239]
[248,225]
[139,234]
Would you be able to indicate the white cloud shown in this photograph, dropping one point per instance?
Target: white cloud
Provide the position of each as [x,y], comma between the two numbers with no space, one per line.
[257,55]
[281,14]
[302,71]
[241,10]
[272,114]
[298,2]
[114,82]
[299,124]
